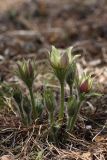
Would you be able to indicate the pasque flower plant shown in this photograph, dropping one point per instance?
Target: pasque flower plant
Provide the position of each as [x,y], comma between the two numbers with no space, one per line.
[84,88]
[61,62]
[27,73]
[64,66]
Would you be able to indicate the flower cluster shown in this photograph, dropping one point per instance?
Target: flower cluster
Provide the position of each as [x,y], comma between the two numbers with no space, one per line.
[31,106]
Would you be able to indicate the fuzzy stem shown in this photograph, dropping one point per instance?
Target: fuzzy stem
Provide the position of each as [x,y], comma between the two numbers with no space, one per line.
[61,112]
[33,103]
[69,122]
[51,118]
[24,118]
[74,118]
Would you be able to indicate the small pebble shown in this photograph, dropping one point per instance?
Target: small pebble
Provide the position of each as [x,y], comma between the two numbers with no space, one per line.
[88,127]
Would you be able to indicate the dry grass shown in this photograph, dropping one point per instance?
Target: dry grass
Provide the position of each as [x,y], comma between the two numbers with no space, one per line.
[34,142]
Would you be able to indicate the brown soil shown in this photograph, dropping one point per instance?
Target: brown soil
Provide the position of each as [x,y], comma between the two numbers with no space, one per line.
[27,30]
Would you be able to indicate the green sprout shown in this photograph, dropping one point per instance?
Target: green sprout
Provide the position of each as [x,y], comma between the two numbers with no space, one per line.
[39,104]
[26,72]
[22,104]
[18,99]
[71,108]
[50,104]
[27,109]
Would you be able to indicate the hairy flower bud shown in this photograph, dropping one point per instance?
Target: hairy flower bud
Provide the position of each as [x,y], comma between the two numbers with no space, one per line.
[86,84]
[60,58]
[84,87]
[26,72]
[70,77]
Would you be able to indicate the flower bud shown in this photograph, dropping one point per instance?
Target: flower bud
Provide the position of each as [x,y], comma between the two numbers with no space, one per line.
[70,77]
[61,60]
[26,72]
[84,87]
[85,83]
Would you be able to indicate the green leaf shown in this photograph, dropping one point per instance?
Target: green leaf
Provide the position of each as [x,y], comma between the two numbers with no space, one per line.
[94,94]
